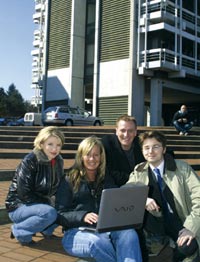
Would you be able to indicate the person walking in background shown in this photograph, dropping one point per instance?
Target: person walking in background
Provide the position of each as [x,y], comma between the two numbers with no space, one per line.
[77,202]
[29,202]
[123,152]
[182,121]
[173,204]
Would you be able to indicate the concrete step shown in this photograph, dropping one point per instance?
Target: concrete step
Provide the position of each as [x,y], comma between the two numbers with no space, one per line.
[180,151]
[174,145]
[29,145]
[20,153]
[189,142]
[180,148]
[16,142]
[187,154]
[26,130]
[8,166]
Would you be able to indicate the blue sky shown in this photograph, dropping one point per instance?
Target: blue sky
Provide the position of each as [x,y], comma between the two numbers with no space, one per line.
[16,43]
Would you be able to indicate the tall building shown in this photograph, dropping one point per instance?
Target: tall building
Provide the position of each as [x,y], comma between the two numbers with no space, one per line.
[39,18]
[120,56]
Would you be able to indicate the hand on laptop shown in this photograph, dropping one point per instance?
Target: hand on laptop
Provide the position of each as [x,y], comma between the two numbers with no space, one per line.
[91,218]
[151,205]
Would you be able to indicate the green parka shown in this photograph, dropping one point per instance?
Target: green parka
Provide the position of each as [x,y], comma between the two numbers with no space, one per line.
[184,183]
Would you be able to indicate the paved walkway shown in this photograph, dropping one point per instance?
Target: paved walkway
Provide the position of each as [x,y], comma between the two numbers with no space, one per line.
[46,250]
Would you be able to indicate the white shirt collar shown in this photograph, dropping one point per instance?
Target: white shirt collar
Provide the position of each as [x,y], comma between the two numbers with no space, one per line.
[160,167]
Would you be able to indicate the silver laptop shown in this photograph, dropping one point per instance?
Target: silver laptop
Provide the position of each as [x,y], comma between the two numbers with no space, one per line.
[121,208]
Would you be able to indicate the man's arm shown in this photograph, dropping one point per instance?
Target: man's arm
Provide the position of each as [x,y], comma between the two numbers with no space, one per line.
[192,195]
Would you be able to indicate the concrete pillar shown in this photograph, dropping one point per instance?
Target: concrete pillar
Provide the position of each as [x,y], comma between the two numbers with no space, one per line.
[136,83]
[77,52]
[156,103]
[96,59]
[137,99]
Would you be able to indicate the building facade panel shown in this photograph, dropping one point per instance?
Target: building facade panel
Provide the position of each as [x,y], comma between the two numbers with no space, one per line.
[115,57]
[114,78]
[115,30]
[111,107]
[59,34]
[57,81]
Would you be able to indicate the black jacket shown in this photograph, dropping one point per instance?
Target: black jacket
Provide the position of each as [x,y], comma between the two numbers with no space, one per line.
[118,167]
[73,206]
[179,114]
[35,181]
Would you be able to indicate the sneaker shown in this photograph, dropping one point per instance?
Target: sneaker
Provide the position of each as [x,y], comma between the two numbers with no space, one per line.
[12,235]
[181,133]
[186,133]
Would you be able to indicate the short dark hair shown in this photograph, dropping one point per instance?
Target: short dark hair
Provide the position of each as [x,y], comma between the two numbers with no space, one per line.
[126,118]
[159,136]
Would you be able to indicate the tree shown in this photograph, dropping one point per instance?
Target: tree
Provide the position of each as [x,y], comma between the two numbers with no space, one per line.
[15,102]
[29,107]
[12,103]
[3,105]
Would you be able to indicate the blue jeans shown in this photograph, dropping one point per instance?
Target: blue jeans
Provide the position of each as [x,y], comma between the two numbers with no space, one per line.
[30,219]
[181,127]
[120,246]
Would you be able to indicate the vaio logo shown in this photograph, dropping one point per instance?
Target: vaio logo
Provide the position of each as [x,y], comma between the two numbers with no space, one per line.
[125,209]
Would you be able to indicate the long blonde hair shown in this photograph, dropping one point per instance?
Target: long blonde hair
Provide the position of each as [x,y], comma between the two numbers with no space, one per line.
[78,172]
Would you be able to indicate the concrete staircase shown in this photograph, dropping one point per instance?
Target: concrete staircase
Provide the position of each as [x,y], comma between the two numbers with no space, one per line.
[16,142]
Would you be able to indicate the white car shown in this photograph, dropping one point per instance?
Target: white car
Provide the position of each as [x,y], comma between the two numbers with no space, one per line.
[69,116]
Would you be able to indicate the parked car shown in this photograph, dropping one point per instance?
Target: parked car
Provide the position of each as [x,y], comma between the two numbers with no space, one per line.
[15,121]
[3,121]
[33,119]
[69,116]
[20,122]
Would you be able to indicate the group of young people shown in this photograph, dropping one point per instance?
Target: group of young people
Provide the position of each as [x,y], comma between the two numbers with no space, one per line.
[41,196]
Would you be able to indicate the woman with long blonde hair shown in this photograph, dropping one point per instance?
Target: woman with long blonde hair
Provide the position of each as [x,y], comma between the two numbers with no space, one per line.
[77,202]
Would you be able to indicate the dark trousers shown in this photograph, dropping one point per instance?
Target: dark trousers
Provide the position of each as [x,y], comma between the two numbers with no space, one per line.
[172,230]
[142,240]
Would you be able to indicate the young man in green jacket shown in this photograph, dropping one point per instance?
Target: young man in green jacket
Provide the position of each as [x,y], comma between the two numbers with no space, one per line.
[173,204]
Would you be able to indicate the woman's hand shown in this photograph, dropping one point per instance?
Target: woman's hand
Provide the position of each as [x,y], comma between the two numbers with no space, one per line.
[91,218]
[185,235]
[151,205]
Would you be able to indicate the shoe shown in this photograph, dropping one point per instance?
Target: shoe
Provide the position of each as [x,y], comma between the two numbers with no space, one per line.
[181,133]
[12,235]
[186,133]
[29,244]
[49,236]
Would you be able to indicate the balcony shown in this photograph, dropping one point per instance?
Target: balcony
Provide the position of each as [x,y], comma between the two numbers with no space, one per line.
[38,18]
[36,100]
[169,38]
[166,11]
[166,60]
[37,52]
[38,43]
[39,7]
[35,80]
